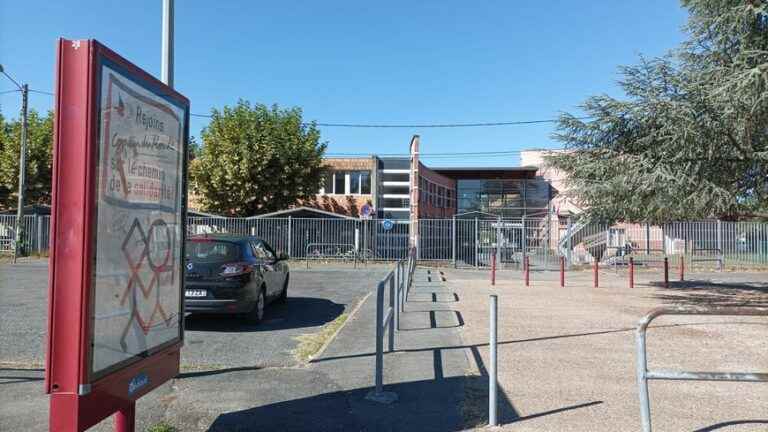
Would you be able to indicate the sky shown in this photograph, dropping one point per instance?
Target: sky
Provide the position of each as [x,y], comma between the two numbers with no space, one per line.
[394,62]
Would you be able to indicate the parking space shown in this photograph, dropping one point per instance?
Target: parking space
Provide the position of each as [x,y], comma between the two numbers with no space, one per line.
[316,297]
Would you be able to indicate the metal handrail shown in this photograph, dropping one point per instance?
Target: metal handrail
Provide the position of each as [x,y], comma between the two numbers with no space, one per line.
[643,374]
[399,281]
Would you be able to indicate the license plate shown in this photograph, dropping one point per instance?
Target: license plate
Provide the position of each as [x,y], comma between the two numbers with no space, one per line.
[196,293]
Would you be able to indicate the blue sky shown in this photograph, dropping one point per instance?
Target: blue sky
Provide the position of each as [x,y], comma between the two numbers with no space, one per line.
[365,62]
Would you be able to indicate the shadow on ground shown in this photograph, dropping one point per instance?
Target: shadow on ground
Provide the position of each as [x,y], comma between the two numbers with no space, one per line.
[442,404]
[296,312]
[709,293]
[16,375]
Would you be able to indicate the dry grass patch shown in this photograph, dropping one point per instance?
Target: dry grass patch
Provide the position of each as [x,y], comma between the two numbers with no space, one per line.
[312,344]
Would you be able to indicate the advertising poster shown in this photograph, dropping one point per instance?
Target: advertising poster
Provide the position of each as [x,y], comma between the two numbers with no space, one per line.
[136,281]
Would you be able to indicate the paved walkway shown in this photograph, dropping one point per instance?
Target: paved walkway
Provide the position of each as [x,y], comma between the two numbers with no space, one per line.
[328,394]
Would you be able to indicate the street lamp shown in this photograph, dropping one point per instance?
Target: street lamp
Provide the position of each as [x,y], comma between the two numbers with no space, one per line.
[22,163]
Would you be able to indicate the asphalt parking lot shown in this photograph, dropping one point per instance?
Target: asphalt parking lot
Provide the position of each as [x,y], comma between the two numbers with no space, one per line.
[315,297]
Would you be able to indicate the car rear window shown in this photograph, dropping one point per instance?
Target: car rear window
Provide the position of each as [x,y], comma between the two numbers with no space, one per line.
[206,251]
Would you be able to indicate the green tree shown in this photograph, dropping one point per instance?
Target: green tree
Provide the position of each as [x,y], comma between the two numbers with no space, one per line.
[690,138]
[256,159]
[39,159]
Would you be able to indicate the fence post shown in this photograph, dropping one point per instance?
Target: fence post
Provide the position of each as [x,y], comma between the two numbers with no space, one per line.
[493,375]
[498,237]
[569,243]
[453,242]
[477,246]
[721,263]
[39,241]
[631,272]
[647,238]
[289,236]
[525,239]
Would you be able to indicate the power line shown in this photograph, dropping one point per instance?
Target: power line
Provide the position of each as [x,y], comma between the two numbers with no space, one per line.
[41,92]
[422,126]
[10,91]
[395,126]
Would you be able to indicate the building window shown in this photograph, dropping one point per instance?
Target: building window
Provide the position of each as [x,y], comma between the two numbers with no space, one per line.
[339,183]
[327,184]
[365,182]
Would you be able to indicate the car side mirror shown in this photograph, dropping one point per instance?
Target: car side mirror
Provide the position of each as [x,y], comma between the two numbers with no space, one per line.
[282,256]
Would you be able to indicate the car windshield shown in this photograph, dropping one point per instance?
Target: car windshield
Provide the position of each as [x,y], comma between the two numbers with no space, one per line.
[207,251]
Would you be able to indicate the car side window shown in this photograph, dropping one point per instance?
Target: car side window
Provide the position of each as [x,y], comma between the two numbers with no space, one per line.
[262,252]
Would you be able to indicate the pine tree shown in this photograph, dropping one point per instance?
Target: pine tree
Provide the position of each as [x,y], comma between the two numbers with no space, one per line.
[690,140]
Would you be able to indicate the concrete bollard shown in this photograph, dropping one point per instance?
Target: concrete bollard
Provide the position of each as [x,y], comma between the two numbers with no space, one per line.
[493,268]
[594,274]
[666,272]
[682,268]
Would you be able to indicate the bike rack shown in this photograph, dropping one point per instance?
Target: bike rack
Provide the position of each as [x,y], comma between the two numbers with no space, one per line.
[643,374]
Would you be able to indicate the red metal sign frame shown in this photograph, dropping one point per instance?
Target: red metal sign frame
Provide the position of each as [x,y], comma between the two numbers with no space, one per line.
[78,400]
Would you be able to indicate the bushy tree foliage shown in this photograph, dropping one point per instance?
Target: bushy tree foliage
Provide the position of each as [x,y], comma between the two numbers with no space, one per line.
[256,159]
[39,159]
[690,140]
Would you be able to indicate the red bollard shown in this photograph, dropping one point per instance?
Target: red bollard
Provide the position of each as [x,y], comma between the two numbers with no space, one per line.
[682,268]
[527,269]
[631,272]
[562,272]
[666,272]
[125,418]
[493,268]
[595,273]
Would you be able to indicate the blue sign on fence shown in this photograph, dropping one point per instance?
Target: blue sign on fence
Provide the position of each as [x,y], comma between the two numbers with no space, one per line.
[387,225]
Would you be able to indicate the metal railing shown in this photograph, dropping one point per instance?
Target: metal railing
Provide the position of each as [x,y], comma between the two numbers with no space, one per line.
[464,242]
[643,374]
[398,281]
[34,234]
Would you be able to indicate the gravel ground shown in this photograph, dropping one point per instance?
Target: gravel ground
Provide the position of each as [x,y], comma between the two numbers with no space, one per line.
[567,355]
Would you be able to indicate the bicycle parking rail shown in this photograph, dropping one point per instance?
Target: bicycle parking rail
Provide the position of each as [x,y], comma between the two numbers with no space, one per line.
[339,251]
[643,374]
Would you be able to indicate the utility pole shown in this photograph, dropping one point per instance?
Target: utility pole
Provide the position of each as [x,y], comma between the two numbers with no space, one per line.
[22,165]
[166,65]
[22,173]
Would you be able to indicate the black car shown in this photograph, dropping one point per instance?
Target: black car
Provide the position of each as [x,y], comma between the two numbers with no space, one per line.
[233,275]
